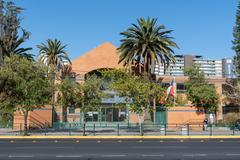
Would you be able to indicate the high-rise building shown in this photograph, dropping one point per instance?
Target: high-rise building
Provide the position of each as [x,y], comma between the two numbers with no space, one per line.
[176,69]
[228,68]
[210,67]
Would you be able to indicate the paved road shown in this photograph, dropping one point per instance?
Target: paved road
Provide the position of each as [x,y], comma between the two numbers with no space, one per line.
[120,149]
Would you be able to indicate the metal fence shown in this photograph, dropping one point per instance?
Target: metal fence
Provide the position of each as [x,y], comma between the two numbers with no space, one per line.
[120,129]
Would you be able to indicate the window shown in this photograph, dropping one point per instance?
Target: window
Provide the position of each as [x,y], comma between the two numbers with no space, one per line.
[92,116]
[181,88]
[112,114]
[71,110]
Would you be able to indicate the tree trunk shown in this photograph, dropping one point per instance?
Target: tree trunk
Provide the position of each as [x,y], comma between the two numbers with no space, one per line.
[53,96]
[1,56]
[148,67]
[130,67]
[84,124]
[64,114]
[139,69]
[145,66]
[164,68]
[25,123]
[140,125]
[154,111]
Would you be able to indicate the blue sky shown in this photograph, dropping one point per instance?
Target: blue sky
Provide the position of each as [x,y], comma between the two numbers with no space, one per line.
[202,27]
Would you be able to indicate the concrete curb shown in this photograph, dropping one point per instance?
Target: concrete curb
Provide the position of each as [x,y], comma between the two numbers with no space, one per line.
[119,137]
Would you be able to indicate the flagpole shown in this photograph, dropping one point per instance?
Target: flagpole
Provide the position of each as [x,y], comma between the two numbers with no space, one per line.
[175,88]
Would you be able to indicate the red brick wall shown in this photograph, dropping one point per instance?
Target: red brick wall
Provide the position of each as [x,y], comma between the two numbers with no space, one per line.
[36,119]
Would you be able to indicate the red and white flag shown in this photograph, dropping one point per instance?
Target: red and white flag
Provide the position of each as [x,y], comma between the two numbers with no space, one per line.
[171,89]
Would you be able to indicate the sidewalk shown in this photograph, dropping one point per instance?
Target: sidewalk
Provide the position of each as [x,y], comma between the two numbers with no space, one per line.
[123,132]
[119,137]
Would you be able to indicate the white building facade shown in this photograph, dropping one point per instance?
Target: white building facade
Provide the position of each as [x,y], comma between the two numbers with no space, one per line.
[210,67]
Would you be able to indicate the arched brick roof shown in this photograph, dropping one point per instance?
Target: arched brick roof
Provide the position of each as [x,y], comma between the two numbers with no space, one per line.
[103,56]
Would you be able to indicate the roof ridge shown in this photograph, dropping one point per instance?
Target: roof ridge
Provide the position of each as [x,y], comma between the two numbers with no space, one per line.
[107,43]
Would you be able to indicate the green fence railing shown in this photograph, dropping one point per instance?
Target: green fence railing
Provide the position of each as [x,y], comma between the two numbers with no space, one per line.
[118,129]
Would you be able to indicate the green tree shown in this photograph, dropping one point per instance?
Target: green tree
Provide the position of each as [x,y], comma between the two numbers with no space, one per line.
[24,86]
[157,95]
[87,96]
[236,40]
[199,91]
[53,55]
[10,26]
[70,95]
[66,71]
[92,96]
[231,91]
[146,43]
[181,100]
[231,88]
[139,92]
[135,92]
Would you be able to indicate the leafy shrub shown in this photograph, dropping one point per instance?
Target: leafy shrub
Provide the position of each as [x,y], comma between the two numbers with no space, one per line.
[231,118]
[181,100]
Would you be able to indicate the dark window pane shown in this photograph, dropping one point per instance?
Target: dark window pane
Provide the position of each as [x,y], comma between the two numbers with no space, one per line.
[180,86]
[71,110]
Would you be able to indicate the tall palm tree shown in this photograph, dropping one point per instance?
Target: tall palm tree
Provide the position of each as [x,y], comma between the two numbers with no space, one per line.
[53,54]
[55,57]
[146,43]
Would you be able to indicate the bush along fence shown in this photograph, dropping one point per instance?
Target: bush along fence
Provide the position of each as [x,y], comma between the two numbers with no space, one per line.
[121,129]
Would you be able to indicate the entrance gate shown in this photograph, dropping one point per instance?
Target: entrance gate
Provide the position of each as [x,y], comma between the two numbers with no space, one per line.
[161,115]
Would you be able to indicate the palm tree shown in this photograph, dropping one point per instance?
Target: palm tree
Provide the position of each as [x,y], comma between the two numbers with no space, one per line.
[10,45]
[53,54]
[10,28]
[66,71]
[55,57]
[146,43]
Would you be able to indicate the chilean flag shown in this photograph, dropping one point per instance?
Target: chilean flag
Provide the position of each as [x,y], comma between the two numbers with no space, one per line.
[171,89]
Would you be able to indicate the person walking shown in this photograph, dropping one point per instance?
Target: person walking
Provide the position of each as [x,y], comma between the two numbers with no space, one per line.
[205,124]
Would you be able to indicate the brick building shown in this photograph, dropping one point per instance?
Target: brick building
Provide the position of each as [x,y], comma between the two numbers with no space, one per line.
[106,56]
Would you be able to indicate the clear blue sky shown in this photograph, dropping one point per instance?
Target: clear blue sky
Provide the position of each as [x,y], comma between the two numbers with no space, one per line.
[202,27]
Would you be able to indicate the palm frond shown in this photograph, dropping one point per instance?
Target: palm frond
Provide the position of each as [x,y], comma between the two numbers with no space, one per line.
[53,53]
[147,42]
